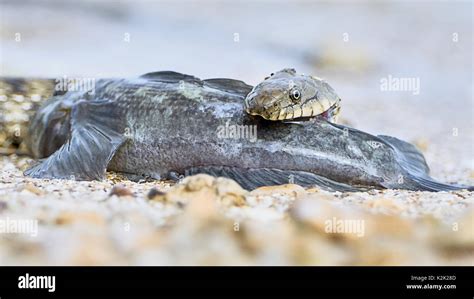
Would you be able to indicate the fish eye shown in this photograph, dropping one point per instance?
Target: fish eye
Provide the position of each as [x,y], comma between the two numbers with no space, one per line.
[295,94]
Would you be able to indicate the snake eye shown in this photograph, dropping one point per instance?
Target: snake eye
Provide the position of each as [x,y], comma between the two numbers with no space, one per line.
[269,76]
[295,94]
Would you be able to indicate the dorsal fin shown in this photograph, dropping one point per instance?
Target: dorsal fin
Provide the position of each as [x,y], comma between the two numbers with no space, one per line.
[229,85]
[171,77]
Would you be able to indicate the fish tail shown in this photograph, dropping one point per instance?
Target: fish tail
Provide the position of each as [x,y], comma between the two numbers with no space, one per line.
[424,183]
[414,164]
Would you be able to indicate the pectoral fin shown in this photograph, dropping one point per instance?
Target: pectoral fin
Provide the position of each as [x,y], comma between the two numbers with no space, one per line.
[253,178]
[97,132]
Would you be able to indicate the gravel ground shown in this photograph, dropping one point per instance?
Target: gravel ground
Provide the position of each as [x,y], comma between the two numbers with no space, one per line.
[208,221]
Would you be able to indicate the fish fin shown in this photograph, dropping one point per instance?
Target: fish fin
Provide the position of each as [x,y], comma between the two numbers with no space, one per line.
[229,85]
[412,159]
[50,128]
[171,77]
[257,177]
[414,163]
[97,132]
[426,183]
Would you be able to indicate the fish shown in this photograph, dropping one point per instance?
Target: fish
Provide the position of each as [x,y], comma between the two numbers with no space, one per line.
[165,125]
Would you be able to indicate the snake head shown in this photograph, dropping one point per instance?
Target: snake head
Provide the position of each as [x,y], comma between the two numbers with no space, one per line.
[287,95]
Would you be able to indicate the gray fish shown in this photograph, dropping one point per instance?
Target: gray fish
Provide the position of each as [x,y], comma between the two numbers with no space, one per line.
[166,124]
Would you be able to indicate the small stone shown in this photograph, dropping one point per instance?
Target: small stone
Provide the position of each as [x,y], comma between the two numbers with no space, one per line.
[33,189]
[155,194]
[198,182]
[229,192]
[372,192]
[422,144]
[223,190]
[288,189]
[386,205]
[3,206]
[313,190]
[202,209]
[70,217]
[120,190]
[326,216]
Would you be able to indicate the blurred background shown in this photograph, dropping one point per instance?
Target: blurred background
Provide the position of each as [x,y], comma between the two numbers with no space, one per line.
[353,45]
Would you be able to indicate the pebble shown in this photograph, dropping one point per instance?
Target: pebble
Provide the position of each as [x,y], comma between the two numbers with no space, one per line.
[213,221]
[223,190]
[287,189]
[30,187]
[89,217]
[3,206]
[120,190]
[154,194]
